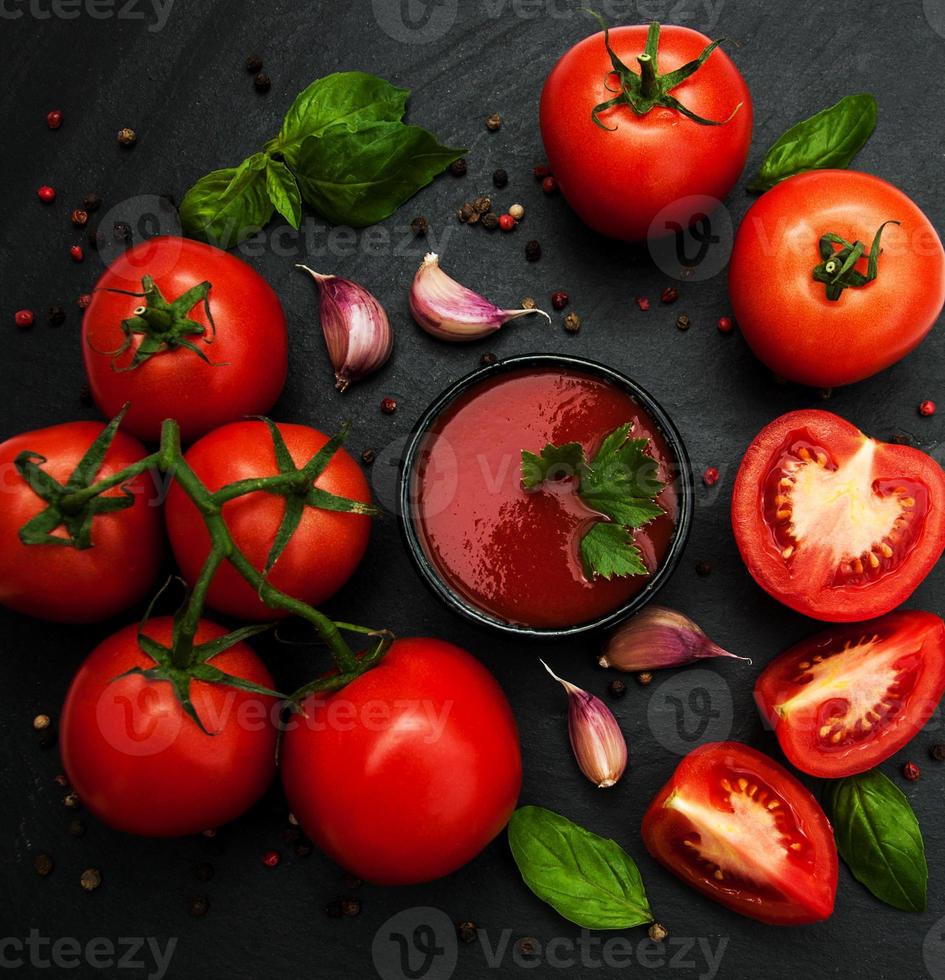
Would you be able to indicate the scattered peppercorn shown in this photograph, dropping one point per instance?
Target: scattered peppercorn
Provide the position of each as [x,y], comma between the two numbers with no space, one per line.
[262,82]
[937,752]
[488,359]
[41,721]
[657,932]
[711,476]
[541,171]
[467,931]
[84,301]
[203,871]
[669,295]
[481,205]
[254,64]
[60,779]
[901,439]
[703,568]
[77,254]
[617,688]
[458,167]
[465,212]
[825,394]
[643,303]
[79,218]
[24,318]
[43,864]
[368,457]
[127,137]
[527,946]
[91,879]
[549,185]
[500,178]
[198,906]
[528,303]
[726,325]
[559,299]
[419,226]
[56,316]
[54,118]
[493,122]
[490,221]
[76,828]
[572,323]
[644,678]
[47,194]
[911,772]
[91,202]
[506,222]
[271,859]
[927,409]
[293,819]
[517,212]
[683,322]
[121,231]
[71,801]
[389,406]
[210,832]
[350,907]
[533,250]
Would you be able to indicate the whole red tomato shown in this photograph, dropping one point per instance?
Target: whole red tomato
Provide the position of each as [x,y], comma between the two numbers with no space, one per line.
[321,555]
[788,317]
[142,765]
[243,353]
[619,178]
[60,582]
[408,772]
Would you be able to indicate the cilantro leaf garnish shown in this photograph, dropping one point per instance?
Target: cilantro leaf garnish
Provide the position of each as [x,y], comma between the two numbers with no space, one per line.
[620,483]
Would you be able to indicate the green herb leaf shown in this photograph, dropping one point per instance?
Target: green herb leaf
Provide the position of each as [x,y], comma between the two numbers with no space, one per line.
[609,550]
[553,463]
[351,99]
[879,838]
[360,178]
[227,205]
[283,191]
[829,139]
[587,879]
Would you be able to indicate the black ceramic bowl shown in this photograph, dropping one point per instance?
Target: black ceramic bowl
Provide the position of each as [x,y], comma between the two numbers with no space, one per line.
[407,509]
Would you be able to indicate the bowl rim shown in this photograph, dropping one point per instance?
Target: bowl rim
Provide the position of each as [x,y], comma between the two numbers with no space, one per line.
[428,571]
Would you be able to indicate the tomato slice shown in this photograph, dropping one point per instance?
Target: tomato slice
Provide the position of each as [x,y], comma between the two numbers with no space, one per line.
[739,828]
[834,524]
[846,699]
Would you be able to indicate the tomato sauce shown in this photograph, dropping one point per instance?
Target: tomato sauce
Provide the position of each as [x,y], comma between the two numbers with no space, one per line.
[515,554]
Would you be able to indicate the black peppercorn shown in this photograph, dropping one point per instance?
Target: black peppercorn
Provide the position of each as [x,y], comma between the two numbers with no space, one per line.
[262,82]
[91,202]
[43,864]
[198,906]
[121,231]
[458,167]
[490,221]
[572,323]
[493,122]
[533,250]
[487,359]
[500,178]
[350,907]
[683,322]
[72,801]
[420,226]
[617,688]
[91,879]
[56,315]
[937,752]
[644,678]
[368,457]
[466,931]
[254,64]
[76,828]
[127,137]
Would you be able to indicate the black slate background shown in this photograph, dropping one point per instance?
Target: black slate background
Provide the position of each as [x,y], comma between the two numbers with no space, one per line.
[184,89]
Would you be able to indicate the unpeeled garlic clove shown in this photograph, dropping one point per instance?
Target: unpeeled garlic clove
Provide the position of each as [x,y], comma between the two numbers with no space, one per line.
[596,739]
[355,326]
[658,637]
[448,310]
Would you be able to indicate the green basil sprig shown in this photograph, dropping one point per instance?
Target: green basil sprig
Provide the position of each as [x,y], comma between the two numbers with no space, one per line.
[830,139]
[879,838]
[342,148]
[587,879]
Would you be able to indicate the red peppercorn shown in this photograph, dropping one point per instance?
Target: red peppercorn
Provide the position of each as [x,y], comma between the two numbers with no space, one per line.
[559,299]
[54,118]
[271,859]
[549,185]
[47,194]
[911,771]
[77,254]
[506,222]
[927,409]
[84,301]
[24,318]
[541,171]
[643,303]
[669,295]
[726,325]
[388,406]
[710,477]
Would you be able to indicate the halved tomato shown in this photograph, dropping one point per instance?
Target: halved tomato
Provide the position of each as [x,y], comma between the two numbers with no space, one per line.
[846,699]
[834,524]
[742,830]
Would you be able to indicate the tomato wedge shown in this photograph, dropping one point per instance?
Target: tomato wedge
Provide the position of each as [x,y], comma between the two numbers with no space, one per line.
[739,828]
[834,524]
[846,699]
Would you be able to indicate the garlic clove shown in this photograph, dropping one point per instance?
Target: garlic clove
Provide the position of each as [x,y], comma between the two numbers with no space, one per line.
[355,326]
[596,739]
[449,310]
[659,637]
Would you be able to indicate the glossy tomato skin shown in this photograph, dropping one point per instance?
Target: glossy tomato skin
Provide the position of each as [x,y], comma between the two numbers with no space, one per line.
[844,541]
[619,181]
[410,771]
[784,314]
[249,354]
[845,700]
[719,800]
[323,552]
[61,583]
[141,765]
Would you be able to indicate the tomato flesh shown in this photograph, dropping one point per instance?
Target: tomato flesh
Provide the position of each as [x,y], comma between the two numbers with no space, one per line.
[835,524]
[846,699]
[739,828]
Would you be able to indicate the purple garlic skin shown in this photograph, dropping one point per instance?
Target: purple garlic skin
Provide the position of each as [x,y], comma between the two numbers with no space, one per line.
[355,326]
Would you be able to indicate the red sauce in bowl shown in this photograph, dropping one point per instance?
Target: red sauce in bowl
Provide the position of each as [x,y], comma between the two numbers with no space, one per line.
[513,554]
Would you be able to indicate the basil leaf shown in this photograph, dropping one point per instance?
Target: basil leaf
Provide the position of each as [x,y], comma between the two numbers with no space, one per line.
[360,178]
[878,836]
[832,138]
[587,879]
[350,98]
[283,191]
[227,205]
